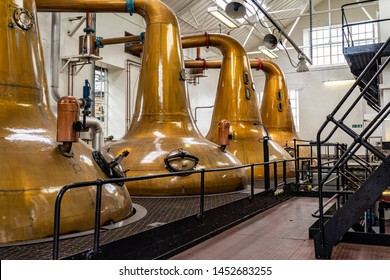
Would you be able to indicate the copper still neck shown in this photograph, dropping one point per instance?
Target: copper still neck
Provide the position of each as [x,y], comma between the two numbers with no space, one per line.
[236,101]
[276,96]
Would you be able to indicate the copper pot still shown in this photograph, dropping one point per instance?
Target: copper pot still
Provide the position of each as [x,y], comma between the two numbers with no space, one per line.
[236,101]
[33,171]
[163,136]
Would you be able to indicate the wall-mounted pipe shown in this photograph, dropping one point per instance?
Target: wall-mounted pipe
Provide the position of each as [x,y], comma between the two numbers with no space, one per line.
[55,55]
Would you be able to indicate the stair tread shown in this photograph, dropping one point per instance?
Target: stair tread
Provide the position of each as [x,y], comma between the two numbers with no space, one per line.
[343,219]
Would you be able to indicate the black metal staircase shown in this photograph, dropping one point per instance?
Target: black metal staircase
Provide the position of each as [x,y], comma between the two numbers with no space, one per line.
[354,208]
[358,57]
[333,226]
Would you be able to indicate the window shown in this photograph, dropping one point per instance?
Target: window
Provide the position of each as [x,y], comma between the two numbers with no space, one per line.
[327,42]
[100,94]
[294,103]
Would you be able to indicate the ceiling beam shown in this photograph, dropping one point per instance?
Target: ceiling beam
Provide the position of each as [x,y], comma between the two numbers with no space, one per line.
[296,21]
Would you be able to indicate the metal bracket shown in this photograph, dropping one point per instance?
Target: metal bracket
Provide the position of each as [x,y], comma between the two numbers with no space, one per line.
[78,60]
[81,20]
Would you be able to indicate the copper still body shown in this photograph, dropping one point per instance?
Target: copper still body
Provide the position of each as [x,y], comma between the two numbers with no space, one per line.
[275,107]
[32,170]
[276,110]
[162,136]
[236,101]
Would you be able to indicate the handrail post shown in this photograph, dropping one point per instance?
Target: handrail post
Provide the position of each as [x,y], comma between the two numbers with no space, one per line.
[57,217]
[266,160]
[98,207]
[201,206]
[252,181]
[56,236]
[296,153]
[275,176]
[284,173]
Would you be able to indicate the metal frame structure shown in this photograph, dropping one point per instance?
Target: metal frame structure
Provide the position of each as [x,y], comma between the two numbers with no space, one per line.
[333,228]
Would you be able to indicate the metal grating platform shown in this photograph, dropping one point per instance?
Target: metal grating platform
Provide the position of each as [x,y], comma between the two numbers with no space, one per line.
[160,211]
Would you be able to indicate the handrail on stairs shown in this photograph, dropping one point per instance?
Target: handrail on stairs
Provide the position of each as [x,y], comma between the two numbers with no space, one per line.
[358,139]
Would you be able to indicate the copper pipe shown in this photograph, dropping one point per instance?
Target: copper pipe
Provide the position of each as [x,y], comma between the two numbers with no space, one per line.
[120,40]
[198,54]
[136,49]
[203,64]
[89,21]
[215,64]
[81,6]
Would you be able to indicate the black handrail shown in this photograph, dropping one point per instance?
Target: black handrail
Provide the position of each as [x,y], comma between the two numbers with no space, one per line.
[359,139]
[344,21]
[350,91]
[99,183]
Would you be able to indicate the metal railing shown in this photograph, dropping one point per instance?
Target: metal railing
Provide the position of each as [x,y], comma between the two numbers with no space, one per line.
[359,140]
[99,183]
[347,36]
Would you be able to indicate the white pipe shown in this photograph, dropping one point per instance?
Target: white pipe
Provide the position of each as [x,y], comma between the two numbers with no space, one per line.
[55,55]
[97,132]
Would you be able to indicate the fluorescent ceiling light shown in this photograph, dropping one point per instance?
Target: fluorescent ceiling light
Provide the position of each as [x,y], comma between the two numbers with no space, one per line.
[268,53]
[221,16]
[338,82]
[254,52]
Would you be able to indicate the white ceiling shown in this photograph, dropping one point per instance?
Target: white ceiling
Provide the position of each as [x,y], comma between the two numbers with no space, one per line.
[194,19]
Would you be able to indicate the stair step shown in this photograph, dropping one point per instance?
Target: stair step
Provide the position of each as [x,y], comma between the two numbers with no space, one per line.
[344,218]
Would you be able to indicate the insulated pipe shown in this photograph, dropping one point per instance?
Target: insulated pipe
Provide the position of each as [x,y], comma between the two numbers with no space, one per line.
[55,55]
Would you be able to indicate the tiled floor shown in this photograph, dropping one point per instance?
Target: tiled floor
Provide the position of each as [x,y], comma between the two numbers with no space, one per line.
[280,233]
